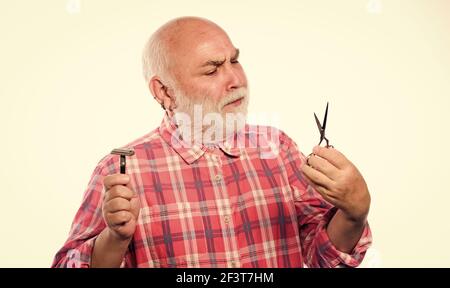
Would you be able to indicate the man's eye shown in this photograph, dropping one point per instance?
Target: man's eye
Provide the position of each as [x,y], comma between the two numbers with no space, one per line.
[234,61]
[211,72]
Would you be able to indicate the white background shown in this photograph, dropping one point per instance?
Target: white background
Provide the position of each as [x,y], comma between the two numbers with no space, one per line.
[71,90]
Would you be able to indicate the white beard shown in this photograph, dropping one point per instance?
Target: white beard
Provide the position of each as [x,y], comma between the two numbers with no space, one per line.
[204,120]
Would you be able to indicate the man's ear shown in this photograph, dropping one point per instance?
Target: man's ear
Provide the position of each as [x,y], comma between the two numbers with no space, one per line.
[161,93]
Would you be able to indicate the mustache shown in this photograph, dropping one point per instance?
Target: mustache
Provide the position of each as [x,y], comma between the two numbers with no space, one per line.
[233,96]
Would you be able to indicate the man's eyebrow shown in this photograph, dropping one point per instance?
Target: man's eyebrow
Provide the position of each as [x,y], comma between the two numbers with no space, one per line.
[220,62]
[213,63]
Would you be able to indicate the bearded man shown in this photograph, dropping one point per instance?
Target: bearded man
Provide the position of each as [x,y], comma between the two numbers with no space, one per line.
[205,189]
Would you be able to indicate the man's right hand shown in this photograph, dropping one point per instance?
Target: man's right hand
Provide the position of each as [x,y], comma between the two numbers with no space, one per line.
[120,207]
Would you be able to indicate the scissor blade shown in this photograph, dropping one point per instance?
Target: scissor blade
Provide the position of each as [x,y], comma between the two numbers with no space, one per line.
[325,118]
[318,125]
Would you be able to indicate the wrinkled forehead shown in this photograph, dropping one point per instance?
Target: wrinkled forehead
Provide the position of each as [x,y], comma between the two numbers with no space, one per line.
[193,44]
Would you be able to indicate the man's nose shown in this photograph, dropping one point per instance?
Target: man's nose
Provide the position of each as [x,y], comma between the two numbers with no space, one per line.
[235,79]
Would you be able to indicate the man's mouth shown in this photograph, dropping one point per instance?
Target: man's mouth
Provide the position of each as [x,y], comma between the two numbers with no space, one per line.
[236,102]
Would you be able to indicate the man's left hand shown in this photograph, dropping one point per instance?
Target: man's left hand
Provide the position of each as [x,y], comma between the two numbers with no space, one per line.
[339,182]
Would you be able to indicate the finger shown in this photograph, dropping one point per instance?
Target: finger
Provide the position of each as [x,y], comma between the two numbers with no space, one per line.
[316,177]
[117,204]
[323,166]
[115,179]
[118,191]
[327,195]
[125,230]
[332,155]
[119,218]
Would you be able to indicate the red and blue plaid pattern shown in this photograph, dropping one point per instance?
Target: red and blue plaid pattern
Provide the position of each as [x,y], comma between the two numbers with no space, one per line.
[229,206]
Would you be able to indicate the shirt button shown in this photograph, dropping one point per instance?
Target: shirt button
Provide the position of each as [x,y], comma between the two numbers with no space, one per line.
[226,219]
[234,264]
[218,177]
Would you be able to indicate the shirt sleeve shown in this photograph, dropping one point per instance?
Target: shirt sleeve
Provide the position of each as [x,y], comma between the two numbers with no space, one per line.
[314,214]
[87,225]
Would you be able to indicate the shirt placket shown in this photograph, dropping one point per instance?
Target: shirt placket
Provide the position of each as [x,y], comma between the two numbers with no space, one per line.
[226,210]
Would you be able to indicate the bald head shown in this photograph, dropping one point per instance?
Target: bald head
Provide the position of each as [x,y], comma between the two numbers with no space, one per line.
[181,31]
[174,41]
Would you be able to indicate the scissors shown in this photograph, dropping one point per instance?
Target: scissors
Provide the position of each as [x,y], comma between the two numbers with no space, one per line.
[322,128]
[322,133]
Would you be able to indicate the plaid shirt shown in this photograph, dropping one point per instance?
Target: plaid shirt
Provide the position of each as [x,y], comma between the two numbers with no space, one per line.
[226,206]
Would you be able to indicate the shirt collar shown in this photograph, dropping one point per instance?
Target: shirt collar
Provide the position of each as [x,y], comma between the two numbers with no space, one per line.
[191,152]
